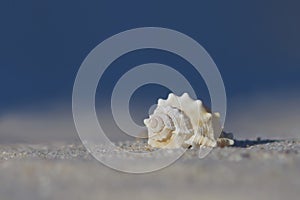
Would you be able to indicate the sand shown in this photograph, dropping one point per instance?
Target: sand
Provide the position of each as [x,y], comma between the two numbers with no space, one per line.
[250,170]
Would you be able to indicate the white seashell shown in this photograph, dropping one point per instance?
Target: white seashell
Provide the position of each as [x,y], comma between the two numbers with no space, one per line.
[181,121]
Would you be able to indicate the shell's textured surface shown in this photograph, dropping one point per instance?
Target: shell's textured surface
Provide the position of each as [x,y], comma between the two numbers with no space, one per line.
[180,121]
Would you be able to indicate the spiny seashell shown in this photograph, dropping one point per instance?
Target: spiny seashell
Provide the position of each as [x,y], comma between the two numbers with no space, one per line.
[181,121]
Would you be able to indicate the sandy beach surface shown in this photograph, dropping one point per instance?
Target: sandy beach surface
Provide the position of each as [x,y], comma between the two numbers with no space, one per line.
[260,169]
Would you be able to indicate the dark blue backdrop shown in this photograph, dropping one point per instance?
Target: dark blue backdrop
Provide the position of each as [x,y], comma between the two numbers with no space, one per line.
[255,44]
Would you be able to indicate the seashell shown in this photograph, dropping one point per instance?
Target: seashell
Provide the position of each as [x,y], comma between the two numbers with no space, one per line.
[180,121]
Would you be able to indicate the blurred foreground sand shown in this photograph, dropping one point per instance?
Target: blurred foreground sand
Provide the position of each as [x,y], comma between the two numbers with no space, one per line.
[60,171]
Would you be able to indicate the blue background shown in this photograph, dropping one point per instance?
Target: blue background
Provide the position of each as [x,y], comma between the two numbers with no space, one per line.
[255,44]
